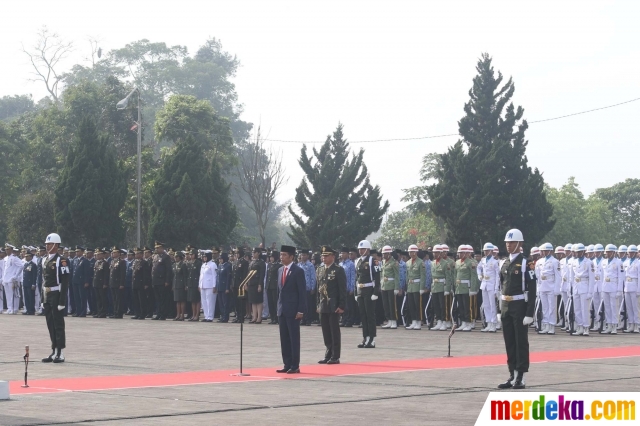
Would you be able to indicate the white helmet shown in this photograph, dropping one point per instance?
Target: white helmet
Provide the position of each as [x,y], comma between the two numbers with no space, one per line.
[469,248]
[632,249]
[444,248]
[53,239]
[568,247]
[514,235]
[413,247]
[386,249]
[622,249]
[436,248]
[591,248]
[578,247]
[534,251]
[496,249]
[462,248]
[598,247]
[487,246]
[364,244]
[560,249]
[546,247]
[610,247]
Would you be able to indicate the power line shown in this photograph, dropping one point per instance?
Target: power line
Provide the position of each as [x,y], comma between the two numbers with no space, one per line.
[584,112]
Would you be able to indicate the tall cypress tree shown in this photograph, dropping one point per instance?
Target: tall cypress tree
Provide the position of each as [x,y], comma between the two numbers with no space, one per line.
[190,199]
[337,203]
[485,185]
[91,190]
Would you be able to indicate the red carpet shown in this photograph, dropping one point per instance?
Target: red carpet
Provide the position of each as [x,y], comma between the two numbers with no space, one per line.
[79,384]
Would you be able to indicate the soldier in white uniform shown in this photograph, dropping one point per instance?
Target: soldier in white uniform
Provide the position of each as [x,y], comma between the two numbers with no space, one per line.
[549,283]
[612,285]
[597,300]
[11,279]
[632,274]
[582,289]
[206,284]
[622,255]
[567,279]
[489,276]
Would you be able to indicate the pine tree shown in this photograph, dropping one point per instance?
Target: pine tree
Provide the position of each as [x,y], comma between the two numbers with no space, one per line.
[337,203]
[485,185]
[190,200]
[91,191]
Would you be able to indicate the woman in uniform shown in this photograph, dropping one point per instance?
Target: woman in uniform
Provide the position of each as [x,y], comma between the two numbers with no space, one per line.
[180,286]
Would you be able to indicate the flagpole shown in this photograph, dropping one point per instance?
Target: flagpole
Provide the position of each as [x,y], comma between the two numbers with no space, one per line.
[139,164]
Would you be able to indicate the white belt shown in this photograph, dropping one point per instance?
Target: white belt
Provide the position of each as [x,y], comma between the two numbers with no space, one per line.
[543,277]
[486,277]
[439,280]
[511,298]
[365,285]
[48,289]
[581,279]
[631,279]
[389,279]
[416,281]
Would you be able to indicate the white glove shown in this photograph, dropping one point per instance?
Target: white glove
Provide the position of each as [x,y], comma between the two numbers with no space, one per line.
[60,307]
[42,306]
[473,293]
[446,293]
[527,320]
[374,297]
[589,296]
[395,292]
[421,292]
[619,294]
[356,296]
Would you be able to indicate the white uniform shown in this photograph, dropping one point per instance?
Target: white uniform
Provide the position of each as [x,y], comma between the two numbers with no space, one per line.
[489,275]
[631,273]
[549,276]
[583,284]
[1,292]
[11,278]
[565,288]
[612,285]
[597,289]
[208,281]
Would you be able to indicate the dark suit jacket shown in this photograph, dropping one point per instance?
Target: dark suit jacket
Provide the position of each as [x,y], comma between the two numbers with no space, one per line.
[292,297]
[224,281]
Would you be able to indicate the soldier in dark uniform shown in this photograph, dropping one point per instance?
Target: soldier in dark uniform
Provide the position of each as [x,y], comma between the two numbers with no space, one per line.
[256,286]
[139,298]
[91,296]
[100,284]
[148,287]
[80,280]
[223,287]
[29,279]
[117,276]
[240,273]
[332,298]
[55,283]
[518,284]
[194,264]
[161,278]
[272,286]
[367,291]
[180,285]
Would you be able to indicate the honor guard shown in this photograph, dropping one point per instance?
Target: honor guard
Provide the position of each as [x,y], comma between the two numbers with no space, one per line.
[55,284]
[465,278]
[518,284]
[612,286]
[367,290]
[390,285]
[489,276]
[331,301]
[416,283]
[567,279]
[631,274]
[583,274]
[11,279]
[597,300]
[442,276]
[549,284]
[448,291]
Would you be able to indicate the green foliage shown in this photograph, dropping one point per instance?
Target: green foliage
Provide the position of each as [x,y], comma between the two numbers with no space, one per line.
[91,191]
[32,218]
[623,199]
[12,107]
[406,227]
[485,185]
[337,203]
[190,199]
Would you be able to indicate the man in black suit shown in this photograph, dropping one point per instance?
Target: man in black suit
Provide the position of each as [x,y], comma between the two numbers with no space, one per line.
[292,303]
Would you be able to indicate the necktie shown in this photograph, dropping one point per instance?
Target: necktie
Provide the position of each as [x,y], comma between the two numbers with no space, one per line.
[284,275]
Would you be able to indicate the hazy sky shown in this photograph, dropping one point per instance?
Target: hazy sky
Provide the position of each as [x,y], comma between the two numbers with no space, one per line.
[394,69]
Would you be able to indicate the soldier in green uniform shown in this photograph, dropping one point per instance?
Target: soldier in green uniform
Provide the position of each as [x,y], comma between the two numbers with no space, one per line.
[117,275]
[331,301]
[180,285]
[465,278]
[240,271]
[55,284]
[194,264]
[390,283]
[100,283]
[518,295]
[367,291]
[137,285]
[448,291]
[416,282]
[442,277]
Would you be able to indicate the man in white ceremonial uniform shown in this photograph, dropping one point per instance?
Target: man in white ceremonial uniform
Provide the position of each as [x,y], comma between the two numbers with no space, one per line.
[597,300]
[206,284]
[567,279]
[612,286]
[11,279]
[622,255]
[489,276]
[583,274]
[549,283]
[631,276]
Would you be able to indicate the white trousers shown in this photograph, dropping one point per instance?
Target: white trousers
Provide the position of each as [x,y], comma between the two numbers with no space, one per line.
[631,299]
[208,302]
[565,303]
[12,301]
[597,299]
[581,305]
[548,302]
[265,305]
[610,308]
[489,305]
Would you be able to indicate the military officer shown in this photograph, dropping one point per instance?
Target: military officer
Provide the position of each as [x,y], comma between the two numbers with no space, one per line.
[331,301]
[448,297]
[194,265]
[489,275]
[549,285]
[368,289]
[631,274]
[180,285]
[442,277]
[310,277]
[390,285]
[255,286]
[224,285]
[240,271]
[207,283]
[583,274]
[518,284]
[597,300]
[29,277]
[80,282]
[100,283]
[11,278]
[612,286]
[117,276]
[138,282]
[567,280]
[272,286]
[161,278]
[465,278]
[416,282]
[55,283]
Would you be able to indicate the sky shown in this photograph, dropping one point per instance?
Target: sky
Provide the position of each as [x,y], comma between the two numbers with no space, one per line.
[388,70]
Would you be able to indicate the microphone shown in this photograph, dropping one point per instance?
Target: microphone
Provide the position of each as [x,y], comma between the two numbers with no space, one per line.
[26,349]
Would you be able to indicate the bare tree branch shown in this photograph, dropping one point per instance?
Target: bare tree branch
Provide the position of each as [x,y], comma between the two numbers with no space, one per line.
[45,57]
[261,174]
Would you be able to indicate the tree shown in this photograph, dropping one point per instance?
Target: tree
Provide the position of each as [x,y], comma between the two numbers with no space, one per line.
[91,190]
[13,106]
[32,218]
[569,215]
[485,185]
[10,160]
[261,175]
[406,227]
[190,199]
[336,201]
[624,200]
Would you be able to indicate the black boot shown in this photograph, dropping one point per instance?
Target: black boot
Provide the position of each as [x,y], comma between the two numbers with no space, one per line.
[519,383]
[50,357]
[59,357]
[508,384]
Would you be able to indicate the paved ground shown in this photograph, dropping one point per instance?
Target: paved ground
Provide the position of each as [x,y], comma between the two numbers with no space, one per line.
[123,347]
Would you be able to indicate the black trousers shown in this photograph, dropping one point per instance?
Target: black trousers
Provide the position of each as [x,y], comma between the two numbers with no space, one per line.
[101,301]
[331,333]
[55,320]
[117,295]
[464,311]
[415,306]
[149,300]
[389,305]
[516,339]
[91,298]
[311,314]
[222,300]
[29,299]
[448,307]
[367,309]
[289,341]
[80,296]
[437,299]
[139,302]
[162,299]
[272,299]
[353,312]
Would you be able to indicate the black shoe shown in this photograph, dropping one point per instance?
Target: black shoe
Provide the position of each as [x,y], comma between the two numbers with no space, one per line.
[149,316]
[140,318]
[82,316]
[235,321]
[40,314]
[135,317]
[162,319]
[323,361]
[50,357]
[362,345]
[294,371]
[371,344]
[348,325]
[284,370]
[224,321]
[519,383]
[58,359]
[74,315]
[333,361]
[508,384]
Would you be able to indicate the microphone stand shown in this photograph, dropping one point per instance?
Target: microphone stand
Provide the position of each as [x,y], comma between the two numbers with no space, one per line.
[26,365]
[241,374]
